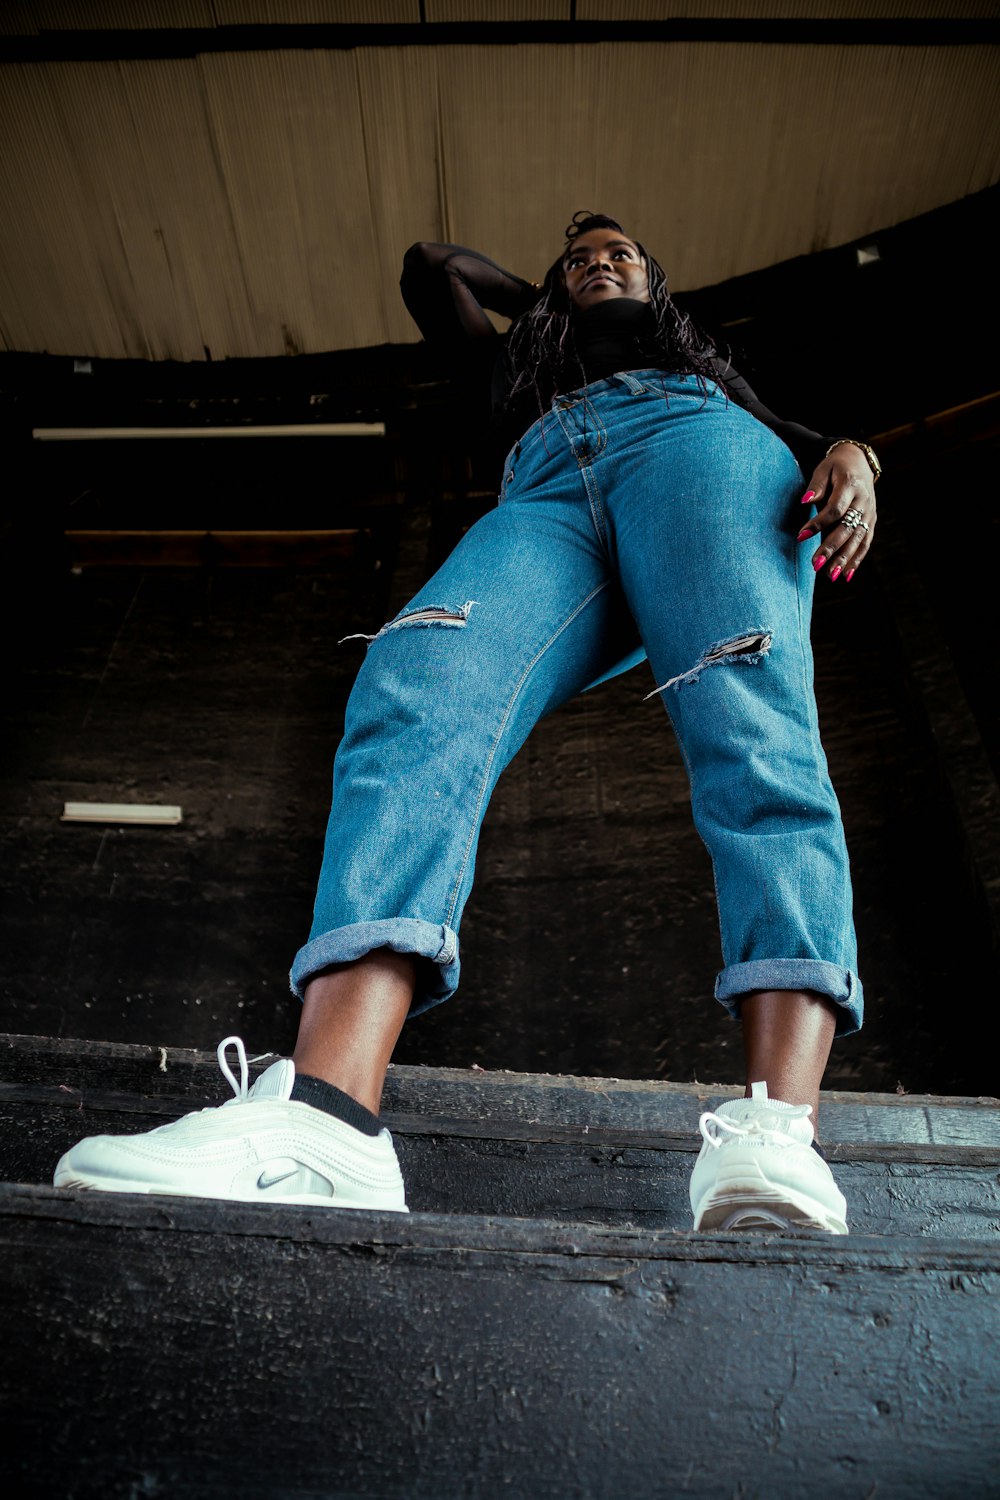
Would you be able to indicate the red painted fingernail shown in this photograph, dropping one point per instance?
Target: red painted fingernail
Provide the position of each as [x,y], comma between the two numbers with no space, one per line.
[803,534]
[819,562]
[809,495]
[834,574]
[850,575]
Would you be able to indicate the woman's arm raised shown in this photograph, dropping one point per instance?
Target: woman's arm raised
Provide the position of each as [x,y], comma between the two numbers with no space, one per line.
[446,288]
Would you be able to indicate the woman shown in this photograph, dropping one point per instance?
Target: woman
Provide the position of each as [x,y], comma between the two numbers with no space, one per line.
[646,492]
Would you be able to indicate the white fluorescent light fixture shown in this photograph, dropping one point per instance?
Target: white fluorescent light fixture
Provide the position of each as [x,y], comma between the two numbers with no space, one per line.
[287,429]
[151,814]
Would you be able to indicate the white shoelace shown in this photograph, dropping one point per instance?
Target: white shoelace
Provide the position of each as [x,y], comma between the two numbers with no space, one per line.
[239,1089]
[716,1128]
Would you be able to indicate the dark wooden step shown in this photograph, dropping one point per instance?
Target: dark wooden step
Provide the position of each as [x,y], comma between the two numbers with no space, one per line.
[471,1094]
[596,1174]
[198,1350]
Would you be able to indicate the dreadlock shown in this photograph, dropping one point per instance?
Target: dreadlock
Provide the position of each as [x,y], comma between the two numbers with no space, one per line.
[541,352]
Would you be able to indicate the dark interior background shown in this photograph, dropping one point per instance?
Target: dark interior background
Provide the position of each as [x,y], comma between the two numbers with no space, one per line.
[149,665]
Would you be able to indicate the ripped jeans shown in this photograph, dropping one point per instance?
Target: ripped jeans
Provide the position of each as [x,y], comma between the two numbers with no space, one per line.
[632,526]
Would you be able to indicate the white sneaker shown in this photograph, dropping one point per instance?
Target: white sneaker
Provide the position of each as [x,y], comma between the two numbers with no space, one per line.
[258,1147]
[757,1169]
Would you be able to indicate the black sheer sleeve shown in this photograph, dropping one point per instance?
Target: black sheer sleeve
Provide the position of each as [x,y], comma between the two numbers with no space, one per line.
[808,446]
[446,288]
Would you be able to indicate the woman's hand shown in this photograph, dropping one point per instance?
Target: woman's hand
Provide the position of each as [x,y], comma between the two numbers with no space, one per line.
[842,487]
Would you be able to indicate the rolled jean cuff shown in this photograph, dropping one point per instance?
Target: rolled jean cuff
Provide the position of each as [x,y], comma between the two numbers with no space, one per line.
[437,979]
[839,985]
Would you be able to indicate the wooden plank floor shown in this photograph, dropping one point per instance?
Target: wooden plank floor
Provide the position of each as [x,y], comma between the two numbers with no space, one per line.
[599,1175]
[201,1350]
[473,1094]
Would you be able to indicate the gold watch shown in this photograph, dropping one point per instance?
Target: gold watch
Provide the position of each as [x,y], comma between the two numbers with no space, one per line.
[869,453]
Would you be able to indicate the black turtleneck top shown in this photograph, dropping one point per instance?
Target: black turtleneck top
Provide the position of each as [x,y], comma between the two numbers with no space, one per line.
[447,287]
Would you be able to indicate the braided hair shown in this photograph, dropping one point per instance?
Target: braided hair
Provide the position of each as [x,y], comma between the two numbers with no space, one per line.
[541,352]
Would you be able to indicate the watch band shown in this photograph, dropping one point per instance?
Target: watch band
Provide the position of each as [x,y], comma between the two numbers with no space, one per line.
[868,451]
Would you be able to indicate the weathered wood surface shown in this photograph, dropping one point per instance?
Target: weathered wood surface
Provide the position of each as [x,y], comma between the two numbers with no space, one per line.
[200,1350]
[472,1094]
[601,1174]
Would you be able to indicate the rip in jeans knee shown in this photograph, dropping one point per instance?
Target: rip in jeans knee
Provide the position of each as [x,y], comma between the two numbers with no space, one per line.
[454,618]
[739,650]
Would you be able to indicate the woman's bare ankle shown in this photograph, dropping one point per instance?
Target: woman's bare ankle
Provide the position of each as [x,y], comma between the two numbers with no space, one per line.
[352,1015]
[787,1035]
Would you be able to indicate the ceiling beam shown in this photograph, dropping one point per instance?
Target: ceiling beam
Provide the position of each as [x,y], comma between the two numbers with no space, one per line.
[182,41]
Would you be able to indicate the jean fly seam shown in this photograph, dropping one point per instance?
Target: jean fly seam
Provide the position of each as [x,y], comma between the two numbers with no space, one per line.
[600,428]
[499,736]
[586,469]
[593,490]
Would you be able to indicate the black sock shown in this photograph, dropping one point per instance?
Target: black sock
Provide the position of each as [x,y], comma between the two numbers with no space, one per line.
[334,1101]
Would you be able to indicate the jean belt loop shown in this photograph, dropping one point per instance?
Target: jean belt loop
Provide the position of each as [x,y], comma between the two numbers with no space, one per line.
[628,379]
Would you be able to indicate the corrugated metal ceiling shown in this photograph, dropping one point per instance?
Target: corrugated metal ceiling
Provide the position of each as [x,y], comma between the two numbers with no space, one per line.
[258,202]
[26,17]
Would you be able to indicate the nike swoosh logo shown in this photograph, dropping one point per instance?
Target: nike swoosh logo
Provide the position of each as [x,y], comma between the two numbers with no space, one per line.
[263,1181]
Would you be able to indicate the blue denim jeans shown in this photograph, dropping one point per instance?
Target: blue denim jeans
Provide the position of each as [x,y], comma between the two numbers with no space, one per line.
[640,517]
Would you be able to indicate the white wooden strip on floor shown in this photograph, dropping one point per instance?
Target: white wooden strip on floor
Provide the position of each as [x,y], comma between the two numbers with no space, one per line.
[119,812]
[277,429]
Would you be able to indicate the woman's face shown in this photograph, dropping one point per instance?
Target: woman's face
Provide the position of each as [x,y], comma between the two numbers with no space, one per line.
[601,264]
